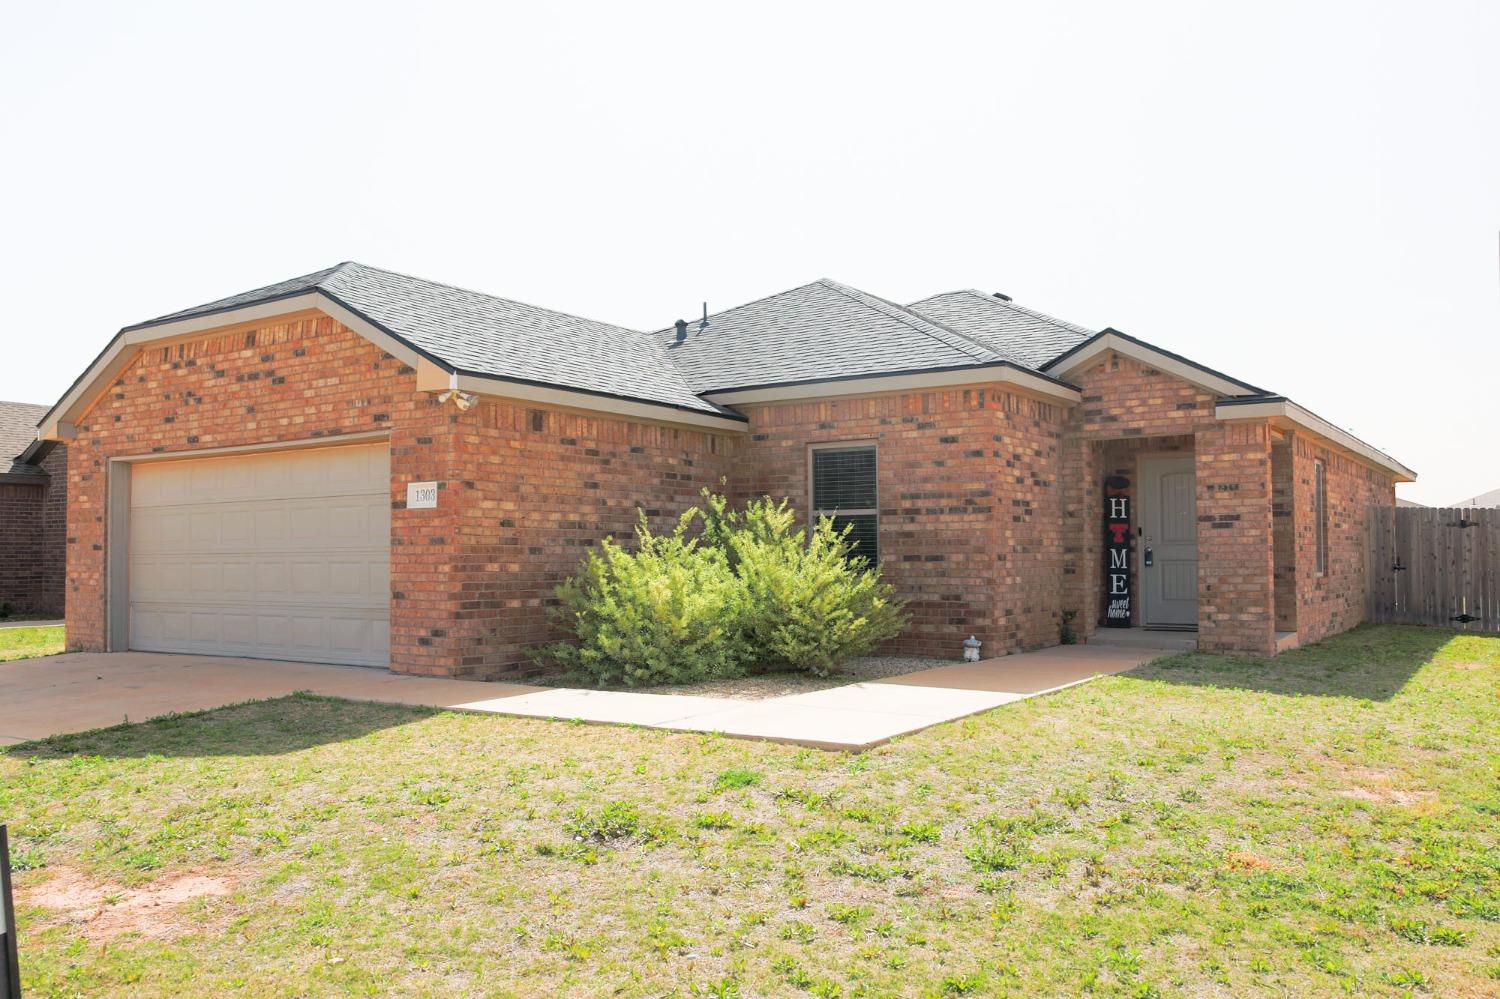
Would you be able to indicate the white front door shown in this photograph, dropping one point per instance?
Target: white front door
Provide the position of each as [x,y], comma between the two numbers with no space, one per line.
[1168,552]
[281,555]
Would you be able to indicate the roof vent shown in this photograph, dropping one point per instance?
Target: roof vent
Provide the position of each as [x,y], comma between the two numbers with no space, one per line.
[1003,298]
[703,324]
[681,330]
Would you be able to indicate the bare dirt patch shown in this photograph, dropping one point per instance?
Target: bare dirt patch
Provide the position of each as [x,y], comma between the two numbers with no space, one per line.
[1473,666]
[1240,861]
[106,911]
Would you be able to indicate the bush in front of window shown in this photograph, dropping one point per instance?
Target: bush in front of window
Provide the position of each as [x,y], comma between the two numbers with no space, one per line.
[754,588]
[670,611]
[810,604]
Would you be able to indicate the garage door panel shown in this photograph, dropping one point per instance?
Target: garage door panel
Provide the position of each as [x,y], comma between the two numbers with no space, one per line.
[282,555]
[205,577]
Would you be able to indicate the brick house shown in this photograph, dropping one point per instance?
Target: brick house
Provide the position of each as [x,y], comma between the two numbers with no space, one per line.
[362,467]
[33,513]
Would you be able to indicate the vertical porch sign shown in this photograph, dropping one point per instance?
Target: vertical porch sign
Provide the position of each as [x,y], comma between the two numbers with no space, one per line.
[1117,551]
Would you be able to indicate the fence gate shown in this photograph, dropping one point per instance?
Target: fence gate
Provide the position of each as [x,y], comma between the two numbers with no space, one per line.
[1434,566]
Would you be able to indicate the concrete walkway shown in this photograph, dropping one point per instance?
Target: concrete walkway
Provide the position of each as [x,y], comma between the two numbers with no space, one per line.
[31,624]
[79,691]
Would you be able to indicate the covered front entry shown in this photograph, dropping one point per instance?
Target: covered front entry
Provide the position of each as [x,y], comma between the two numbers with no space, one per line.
[1167,549]
[274,555]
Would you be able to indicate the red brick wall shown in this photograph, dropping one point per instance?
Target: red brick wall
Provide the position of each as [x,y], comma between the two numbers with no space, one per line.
[989,499]
[1333,601]
[286,381]
[22,551]
[32,522]
[468,579]
[54,532]
[536,488]
[970,505]
[1236,599]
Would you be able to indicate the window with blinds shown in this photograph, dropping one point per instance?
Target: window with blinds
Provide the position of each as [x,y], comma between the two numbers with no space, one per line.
[843,488]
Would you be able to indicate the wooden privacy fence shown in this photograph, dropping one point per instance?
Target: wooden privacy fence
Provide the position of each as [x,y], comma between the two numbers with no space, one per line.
[1433,566]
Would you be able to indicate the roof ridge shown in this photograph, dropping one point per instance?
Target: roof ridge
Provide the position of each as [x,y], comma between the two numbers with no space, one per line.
[1008,304]
[745,305]
[481,294]
[901,313]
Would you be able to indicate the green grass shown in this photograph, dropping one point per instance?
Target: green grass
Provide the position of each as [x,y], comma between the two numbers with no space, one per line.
[1324,823]
[27,643]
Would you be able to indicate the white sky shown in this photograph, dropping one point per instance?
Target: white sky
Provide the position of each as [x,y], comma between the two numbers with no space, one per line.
[1306,196]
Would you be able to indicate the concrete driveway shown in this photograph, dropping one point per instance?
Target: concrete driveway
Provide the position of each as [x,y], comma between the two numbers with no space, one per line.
[78,691]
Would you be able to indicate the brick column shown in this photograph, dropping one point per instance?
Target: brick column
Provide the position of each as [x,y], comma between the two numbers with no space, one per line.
[1082,479]
[1236,552]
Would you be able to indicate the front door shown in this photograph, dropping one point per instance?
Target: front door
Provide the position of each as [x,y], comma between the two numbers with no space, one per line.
[1169,543]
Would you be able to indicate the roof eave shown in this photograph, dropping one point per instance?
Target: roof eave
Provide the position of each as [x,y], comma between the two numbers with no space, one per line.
[56,423]
[1280,409]
[899,380]
[1189,370]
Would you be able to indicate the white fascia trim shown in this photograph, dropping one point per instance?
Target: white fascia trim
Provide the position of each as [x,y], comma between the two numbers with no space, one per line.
[122,349]
[1162,362]
[900,383]
[1285,409]
[501,388]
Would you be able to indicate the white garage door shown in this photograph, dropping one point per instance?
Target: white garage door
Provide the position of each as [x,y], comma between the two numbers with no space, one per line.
[278,556]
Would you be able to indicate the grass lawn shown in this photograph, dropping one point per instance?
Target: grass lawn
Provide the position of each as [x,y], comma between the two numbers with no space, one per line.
[26,643]
[1324,823]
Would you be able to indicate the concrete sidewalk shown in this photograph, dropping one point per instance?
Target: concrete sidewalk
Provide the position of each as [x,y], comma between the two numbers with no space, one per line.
[78,691]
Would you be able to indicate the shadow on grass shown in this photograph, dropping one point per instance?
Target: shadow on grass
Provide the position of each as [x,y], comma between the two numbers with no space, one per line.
[252,728]
[1371,662]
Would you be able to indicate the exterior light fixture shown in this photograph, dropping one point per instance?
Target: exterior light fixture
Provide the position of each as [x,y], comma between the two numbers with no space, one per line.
[463,400]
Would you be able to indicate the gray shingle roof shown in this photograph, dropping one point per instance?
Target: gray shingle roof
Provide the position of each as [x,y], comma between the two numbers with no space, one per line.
[18,422]
[1031,337]
[486,335]
[818,331]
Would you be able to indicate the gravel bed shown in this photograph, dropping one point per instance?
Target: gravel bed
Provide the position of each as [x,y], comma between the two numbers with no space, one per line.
[759,687]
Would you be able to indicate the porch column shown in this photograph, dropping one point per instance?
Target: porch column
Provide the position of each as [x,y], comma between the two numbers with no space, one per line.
[1082,520]
[1236,548]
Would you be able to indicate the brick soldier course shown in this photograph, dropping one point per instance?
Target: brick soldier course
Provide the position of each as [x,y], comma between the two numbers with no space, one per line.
[993,428]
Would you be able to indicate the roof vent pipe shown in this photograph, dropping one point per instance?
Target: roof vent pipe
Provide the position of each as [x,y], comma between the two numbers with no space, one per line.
[703,325]
[1003,298]
[681,330]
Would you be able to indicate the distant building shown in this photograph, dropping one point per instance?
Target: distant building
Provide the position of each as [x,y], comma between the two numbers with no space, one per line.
[1491,498]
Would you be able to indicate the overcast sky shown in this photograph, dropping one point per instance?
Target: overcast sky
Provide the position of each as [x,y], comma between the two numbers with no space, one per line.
[1306,196]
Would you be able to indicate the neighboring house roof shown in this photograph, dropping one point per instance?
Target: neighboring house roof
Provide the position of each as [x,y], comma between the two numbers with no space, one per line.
[1031,337]
[18,422]
[1491,498]
[1410,503]
[483,334]
[820,331]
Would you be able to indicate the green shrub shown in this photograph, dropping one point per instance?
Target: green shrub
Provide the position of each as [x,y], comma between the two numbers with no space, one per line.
[755,585]
[669,612]
[811,605]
